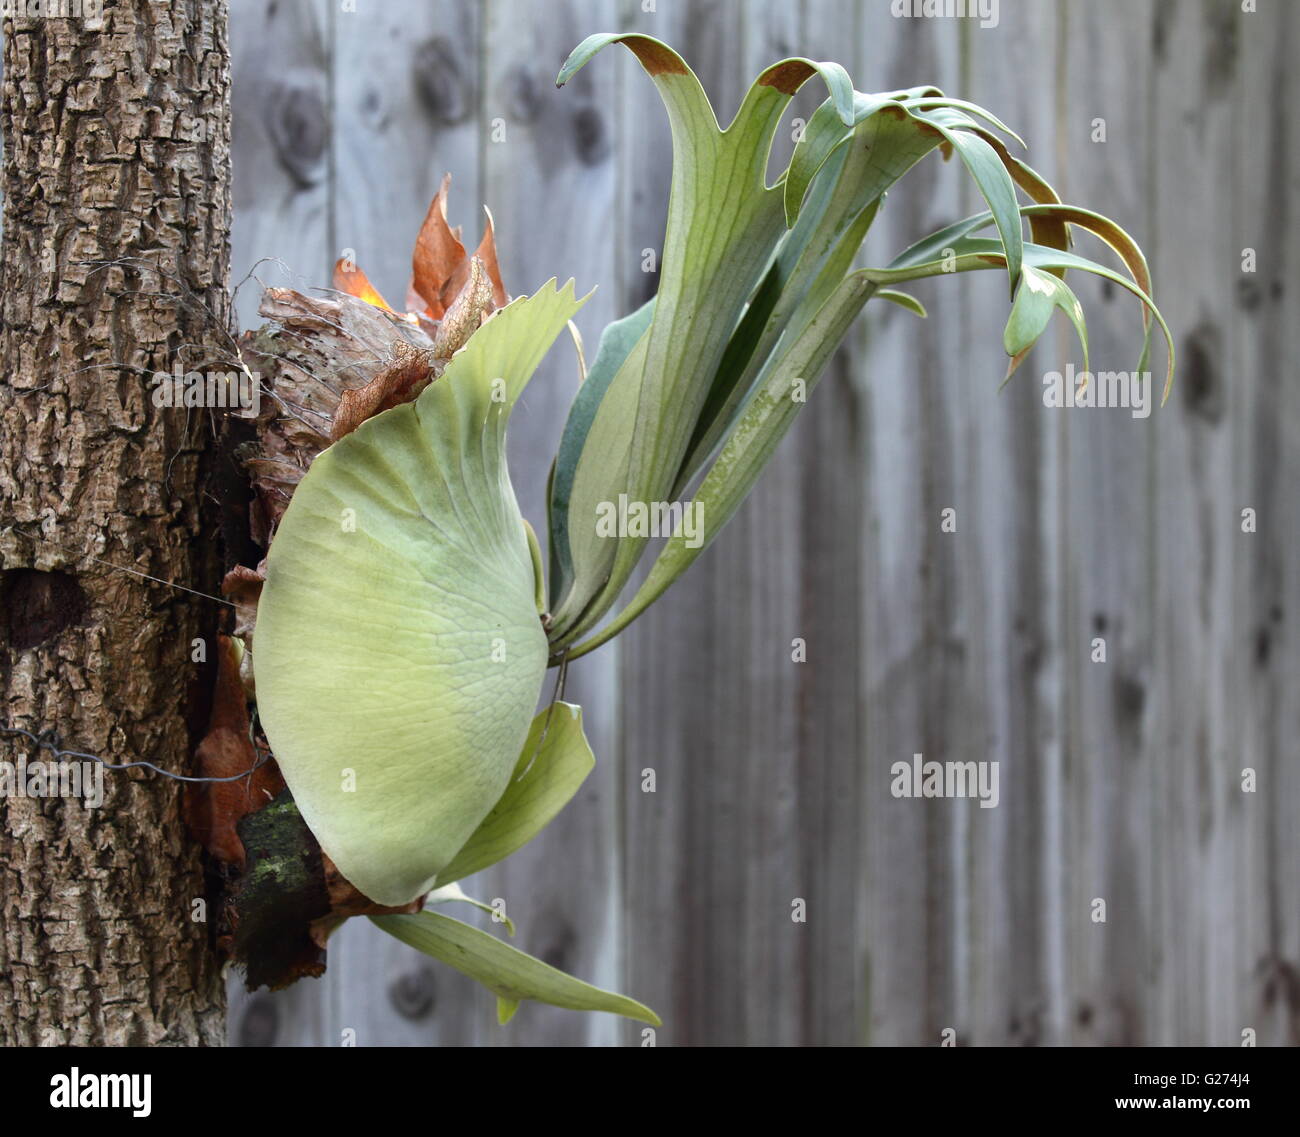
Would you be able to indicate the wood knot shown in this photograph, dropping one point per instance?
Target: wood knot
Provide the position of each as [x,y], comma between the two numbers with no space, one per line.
[524,100]
[558,940]
[298,125]
[1201,383]
[1249,294]
[413,993]
[260,1022]
[440,84]
[590,138]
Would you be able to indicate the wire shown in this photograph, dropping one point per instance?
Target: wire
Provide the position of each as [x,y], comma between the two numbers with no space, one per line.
[49,741]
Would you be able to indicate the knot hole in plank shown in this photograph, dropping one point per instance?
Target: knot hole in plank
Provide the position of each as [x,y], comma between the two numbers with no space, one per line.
[590,136]
[413,993]
[298,125]
[441,85]
[1202,383]
[260,1022]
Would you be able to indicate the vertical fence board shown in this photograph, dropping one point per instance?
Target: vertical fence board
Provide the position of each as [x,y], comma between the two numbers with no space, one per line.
[552,182]
[1105,547]
[649,819]
[1005,991]
[824,467]
[1283,847]
[1264,983]
[281,69]
[915,648]
[699,681]
[406,112]
[1281,997]
[405,103]
[1195,915]
[281,156]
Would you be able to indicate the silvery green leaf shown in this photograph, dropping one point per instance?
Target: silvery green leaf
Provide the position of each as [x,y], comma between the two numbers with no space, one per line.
[723,226]
[508,973]
[399,651]
[762,425]
[553,762]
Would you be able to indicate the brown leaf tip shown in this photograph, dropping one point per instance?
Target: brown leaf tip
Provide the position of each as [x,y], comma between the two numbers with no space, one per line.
[787,77]
[655,57]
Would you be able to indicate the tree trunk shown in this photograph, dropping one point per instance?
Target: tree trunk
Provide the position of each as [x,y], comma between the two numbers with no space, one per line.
[116,139]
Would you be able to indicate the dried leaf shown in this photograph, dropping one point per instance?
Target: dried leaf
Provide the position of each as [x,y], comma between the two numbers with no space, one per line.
[415,303]
[350,279]
[466,313]
[487,253]
[215,808]
[315,351]
[438,255]
[346,900]
[441,265]
[407,374]
[244,586]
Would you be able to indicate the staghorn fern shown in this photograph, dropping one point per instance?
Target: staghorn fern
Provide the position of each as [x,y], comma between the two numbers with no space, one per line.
[405,626]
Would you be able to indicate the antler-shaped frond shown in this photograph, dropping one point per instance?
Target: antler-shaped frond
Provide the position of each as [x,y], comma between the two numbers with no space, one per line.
[757,290]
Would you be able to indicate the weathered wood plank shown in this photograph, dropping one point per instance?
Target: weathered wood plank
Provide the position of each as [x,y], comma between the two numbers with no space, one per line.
[1195,728]
[280,56]
[810,499]
[281,71]
[1105,568]
[1008,987]
[550,177]
[916,649]
[406,100]
[1262,991]
[405,111]
[695,669]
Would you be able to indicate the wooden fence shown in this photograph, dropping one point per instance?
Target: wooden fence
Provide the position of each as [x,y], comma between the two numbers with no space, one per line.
[1120,780]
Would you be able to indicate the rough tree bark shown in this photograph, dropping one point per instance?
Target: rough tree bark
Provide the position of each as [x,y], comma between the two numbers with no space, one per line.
[116,141]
